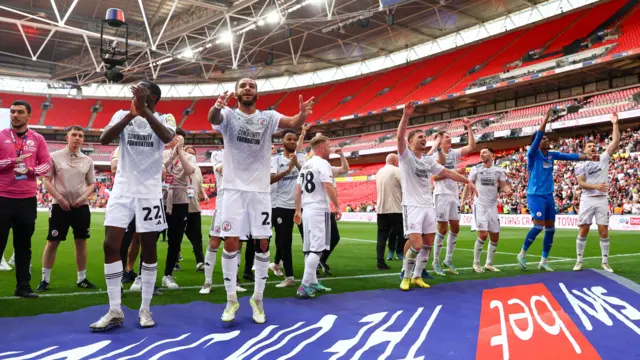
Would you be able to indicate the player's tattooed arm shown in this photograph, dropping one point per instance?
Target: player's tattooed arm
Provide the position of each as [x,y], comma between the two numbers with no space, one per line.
[615,142]
[303,133]
[294,122]
[582,183]
[472,140]
[409,107]
[215,113]
[344,164]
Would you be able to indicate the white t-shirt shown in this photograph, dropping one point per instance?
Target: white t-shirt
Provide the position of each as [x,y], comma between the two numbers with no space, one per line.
[273,189]
[283,197]
[313,175]
[595,172]
[139,172]
[448,186]
[216,162]
[416,178]
[247,144]
[487,181]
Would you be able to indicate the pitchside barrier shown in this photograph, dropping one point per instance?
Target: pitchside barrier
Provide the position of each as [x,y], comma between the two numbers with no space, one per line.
[616,222]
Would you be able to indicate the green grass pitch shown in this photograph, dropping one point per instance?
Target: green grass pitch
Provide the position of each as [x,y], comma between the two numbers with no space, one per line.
[353,264]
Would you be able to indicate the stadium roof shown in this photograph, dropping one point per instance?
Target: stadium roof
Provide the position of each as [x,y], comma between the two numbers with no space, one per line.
[187,41]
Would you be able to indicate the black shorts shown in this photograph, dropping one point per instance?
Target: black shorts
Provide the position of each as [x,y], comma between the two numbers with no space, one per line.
[59,221]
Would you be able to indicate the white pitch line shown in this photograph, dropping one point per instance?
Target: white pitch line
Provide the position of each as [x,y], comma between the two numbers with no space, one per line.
[365,276]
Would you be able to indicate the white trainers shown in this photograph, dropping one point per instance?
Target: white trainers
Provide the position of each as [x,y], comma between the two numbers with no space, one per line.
[490,267]
[12,260]
[287,283]
[276,269]
[230,311]
[258,311]
[477,268]
[169,283]
[4,266]
[578,267]
[606,267]
[544,267]
[144,317]
[137,284]
[110,320]
[206,289]
[240,288]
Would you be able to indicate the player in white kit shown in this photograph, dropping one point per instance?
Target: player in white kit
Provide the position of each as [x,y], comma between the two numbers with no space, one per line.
[215,231]
[137,193]
[419,216]
[446,197]
[314,190]
[593,179]
[489,180]
[246,207]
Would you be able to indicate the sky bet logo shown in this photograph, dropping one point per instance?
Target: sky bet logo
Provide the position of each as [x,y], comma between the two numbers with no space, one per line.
[526,322]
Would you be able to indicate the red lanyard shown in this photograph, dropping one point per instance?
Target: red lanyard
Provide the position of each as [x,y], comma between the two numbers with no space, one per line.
[19,149]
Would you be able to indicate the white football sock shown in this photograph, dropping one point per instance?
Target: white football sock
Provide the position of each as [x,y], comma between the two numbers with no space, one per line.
[477,251]
[113,277]
[209,263]
[604,247]
[149,273]
[437,247]
[493,246]
[421,261]
[409,261]
[310,265]
[581,243]
[46,275]
[261,274]
[81,275]
[451,246]
[230,273]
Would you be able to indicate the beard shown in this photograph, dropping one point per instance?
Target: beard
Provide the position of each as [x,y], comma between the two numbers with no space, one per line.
[247,103]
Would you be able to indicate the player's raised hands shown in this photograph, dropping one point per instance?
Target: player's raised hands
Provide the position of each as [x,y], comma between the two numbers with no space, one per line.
[339,151]
[409,108]
[221,102]
[305,128]
[614,118]
[140,95]
[306,107]
[467,122]
[293,161]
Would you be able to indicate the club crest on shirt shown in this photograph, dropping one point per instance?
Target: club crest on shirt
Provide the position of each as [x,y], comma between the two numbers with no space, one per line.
[262,121]
[30,143]
[538,214]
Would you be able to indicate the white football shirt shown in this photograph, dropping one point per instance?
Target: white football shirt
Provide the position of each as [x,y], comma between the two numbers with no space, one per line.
[216,162]
[273,189]
[448,186]
[595,172]
[416,178]
[247,144]
[313,175]
[139,173]
[487,181]
[286,187]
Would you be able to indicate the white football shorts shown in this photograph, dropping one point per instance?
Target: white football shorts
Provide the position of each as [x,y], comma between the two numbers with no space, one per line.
[486,218]
[246,213]
[447,207]
[594,206]
[317,231]
[418,220]
[216,224]
[149,213]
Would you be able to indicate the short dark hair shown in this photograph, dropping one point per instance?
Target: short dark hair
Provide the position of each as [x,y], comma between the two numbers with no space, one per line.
[441,133]
[287,132]
[190,147]
[153,88]
[180,131]
[413,133]
[238,83]
[22,103]
[75,128]
[488,148]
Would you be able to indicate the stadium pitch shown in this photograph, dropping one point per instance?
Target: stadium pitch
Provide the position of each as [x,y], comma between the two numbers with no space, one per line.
[353,264]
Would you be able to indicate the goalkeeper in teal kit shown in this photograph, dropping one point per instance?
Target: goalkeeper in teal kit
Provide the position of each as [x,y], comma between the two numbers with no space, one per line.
[540,197]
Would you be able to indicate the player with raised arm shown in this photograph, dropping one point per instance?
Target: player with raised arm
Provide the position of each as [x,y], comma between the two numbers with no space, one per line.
[446,197]
[489,180]
[540,189]
[593,179]
[246,207]
[314,190]
[417,199]
[137,193]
